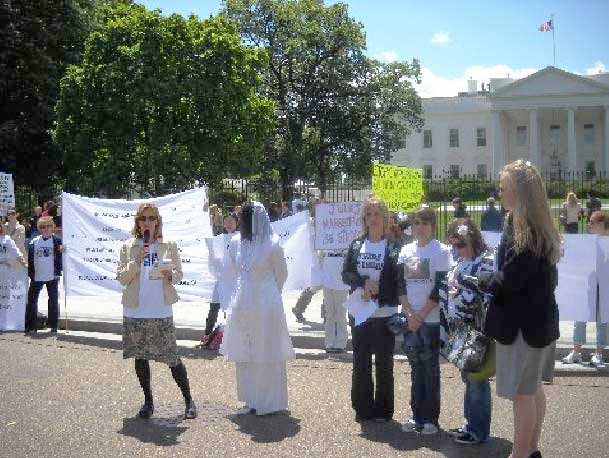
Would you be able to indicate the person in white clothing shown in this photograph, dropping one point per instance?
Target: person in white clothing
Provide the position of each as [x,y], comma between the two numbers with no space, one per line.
[335,294]
[15,230]
[256,334]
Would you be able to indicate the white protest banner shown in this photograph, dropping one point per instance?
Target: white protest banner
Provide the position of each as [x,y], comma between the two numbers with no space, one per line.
[337,224]
[295,236]
[7,193]
[602,274]
[13,297]
[95,229]
[577,275]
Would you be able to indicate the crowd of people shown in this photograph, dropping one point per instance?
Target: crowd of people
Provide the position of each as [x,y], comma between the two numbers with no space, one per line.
[394,268]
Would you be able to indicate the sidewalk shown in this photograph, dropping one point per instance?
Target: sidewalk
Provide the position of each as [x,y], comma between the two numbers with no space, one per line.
[104,315]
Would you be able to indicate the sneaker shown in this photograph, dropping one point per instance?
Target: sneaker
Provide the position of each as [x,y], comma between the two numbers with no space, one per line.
[573,357]
[429,428]
[456,431]
[467,438]
[410,426]
[535,454]
[244,410]
[597,359]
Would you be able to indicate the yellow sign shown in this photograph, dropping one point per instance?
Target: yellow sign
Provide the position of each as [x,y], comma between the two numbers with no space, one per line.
[400,187]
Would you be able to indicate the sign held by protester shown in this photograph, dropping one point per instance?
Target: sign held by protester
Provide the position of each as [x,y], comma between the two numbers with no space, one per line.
[337,224]
[7,193]
[400,187]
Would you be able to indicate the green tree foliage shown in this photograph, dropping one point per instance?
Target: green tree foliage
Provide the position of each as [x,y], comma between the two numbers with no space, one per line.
[336,108]
[161,101]
[38,40]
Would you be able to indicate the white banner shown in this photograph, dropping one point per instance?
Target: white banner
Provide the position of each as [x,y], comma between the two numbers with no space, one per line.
[585,262]
[7,193]
[296,238]
[337,224]
[95,229]
[13,297]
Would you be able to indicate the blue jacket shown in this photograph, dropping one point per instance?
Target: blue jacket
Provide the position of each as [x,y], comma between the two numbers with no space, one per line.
[492,220]
[57,261]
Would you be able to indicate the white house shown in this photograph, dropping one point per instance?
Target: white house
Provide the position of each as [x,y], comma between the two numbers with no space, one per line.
[557,120]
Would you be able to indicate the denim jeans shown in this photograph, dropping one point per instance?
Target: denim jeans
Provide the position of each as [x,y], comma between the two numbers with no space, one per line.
[424,357]
[31,309]
[579,328]
[477,406]
[368,400]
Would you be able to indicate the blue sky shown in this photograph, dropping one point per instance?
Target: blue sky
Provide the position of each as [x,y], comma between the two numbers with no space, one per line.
[456,40]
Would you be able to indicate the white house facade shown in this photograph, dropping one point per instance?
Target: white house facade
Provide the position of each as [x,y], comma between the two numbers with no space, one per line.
[557,120]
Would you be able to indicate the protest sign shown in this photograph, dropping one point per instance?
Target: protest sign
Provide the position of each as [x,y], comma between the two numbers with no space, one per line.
[337,224]
[7,193]
[400,187]
[13,297]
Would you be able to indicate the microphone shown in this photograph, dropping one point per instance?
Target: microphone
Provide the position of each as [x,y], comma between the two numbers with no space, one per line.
[146,237]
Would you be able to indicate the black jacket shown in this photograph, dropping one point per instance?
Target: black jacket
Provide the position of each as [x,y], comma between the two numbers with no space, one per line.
[524,297]
[391,282]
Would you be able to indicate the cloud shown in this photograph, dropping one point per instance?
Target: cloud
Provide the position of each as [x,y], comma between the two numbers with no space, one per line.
[440,38]
[387,56]
[433,85]
[596,68]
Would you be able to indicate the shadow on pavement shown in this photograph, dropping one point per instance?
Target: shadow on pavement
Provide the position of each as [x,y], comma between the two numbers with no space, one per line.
[442,442]
[267,428]
[152,431]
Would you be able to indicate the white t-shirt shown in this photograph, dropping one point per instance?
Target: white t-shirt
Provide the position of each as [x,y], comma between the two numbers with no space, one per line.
[370,262]
[420,266]
[44,259]
[152,295]
[332,268]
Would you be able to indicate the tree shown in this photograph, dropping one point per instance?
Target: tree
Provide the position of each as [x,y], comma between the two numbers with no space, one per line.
[336,108]
[161,102]
[38,40]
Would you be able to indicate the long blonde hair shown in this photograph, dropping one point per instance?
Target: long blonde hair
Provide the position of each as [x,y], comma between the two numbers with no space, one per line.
[158,233]
[534,228]
[571,199]
[380,203]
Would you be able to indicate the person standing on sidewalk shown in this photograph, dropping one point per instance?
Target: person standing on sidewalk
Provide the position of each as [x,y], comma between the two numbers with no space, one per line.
[44,269]
[371,271]
[148,268]
[335,294]
[599,225]
[15,230]
[256,334]
[424,262]
[523,317]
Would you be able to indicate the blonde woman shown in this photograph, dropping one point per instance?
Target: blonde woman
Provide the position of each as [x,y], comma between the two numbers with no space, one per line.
[523,318]
[148,329]
[571,212]
[371,270]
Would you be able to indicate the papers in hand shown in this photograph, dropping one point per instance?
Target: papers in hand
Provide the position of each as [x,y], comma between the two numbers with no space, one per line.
[156,273]
[359,308]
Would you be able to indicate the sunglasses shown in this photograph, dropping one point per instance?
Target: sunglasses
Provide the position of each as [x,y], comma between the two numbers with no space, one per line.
[46,226]
[147,218]
[460,244]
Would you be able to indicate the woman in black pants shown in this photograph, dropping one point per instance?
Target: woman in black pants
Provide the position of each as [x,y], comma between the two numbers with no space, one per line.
[370,269]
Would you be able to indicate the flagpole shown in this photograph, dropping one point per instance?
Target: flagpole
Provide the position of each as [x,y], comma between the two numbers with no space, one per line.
[553,41]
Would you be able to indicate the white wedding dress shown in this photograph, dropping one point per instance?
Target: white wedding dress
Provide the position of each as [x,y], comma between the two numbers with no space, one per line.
[256,335]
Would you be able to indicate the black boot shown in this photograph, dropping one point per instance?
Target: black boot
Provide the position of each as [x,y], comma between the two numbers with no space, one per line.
[181,377]
[142,369]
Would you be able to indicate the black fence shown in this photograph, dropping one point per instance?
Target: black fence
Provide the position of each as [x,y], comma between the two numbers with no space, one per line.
[439,193]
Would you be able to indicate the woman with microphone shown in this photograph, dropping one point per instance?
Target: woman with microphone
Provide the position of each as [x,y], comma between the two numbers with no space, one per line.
[148,268]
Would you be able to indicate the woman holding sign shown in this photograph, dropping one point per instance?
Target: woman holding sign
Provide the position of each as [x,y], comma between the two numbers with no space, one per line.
[148,268]
[370,269]
[523,318]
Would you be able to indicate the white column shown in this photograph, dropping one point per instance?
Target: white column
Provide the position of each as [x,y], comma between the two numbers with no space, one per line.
[571,151]
[534,140]
[498,153]
[606,143]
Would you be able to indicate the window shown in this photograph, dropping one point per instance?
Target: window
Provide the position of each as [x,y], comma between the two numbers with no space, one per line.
[481,136]
[453,141]
[454,172]
[427,172]
[481,171]
[589,134]
[521,136]
[555,136]
[427,138]
[590,169]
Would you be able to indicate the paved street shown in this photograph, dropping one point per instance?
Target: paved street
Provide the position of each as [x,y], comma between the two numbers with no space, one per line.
[74,396]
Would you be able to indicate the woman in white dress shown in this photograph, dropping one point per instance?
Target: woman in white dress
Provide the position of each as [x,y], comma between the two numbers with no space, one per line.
[256,335]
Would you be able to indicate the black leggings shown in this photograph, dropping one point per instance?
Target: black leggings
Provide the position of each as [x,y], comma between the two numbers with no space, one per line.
[142,369]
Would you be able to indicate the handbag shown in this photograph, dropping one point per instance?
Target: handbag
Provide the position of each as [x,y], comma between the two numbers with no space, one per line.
[397,324]
[467,349]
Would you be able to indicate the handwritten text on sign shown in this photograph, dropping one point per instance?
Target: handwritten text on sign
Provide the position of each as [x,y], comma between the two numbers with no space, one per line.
[337,224]
[400,187]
